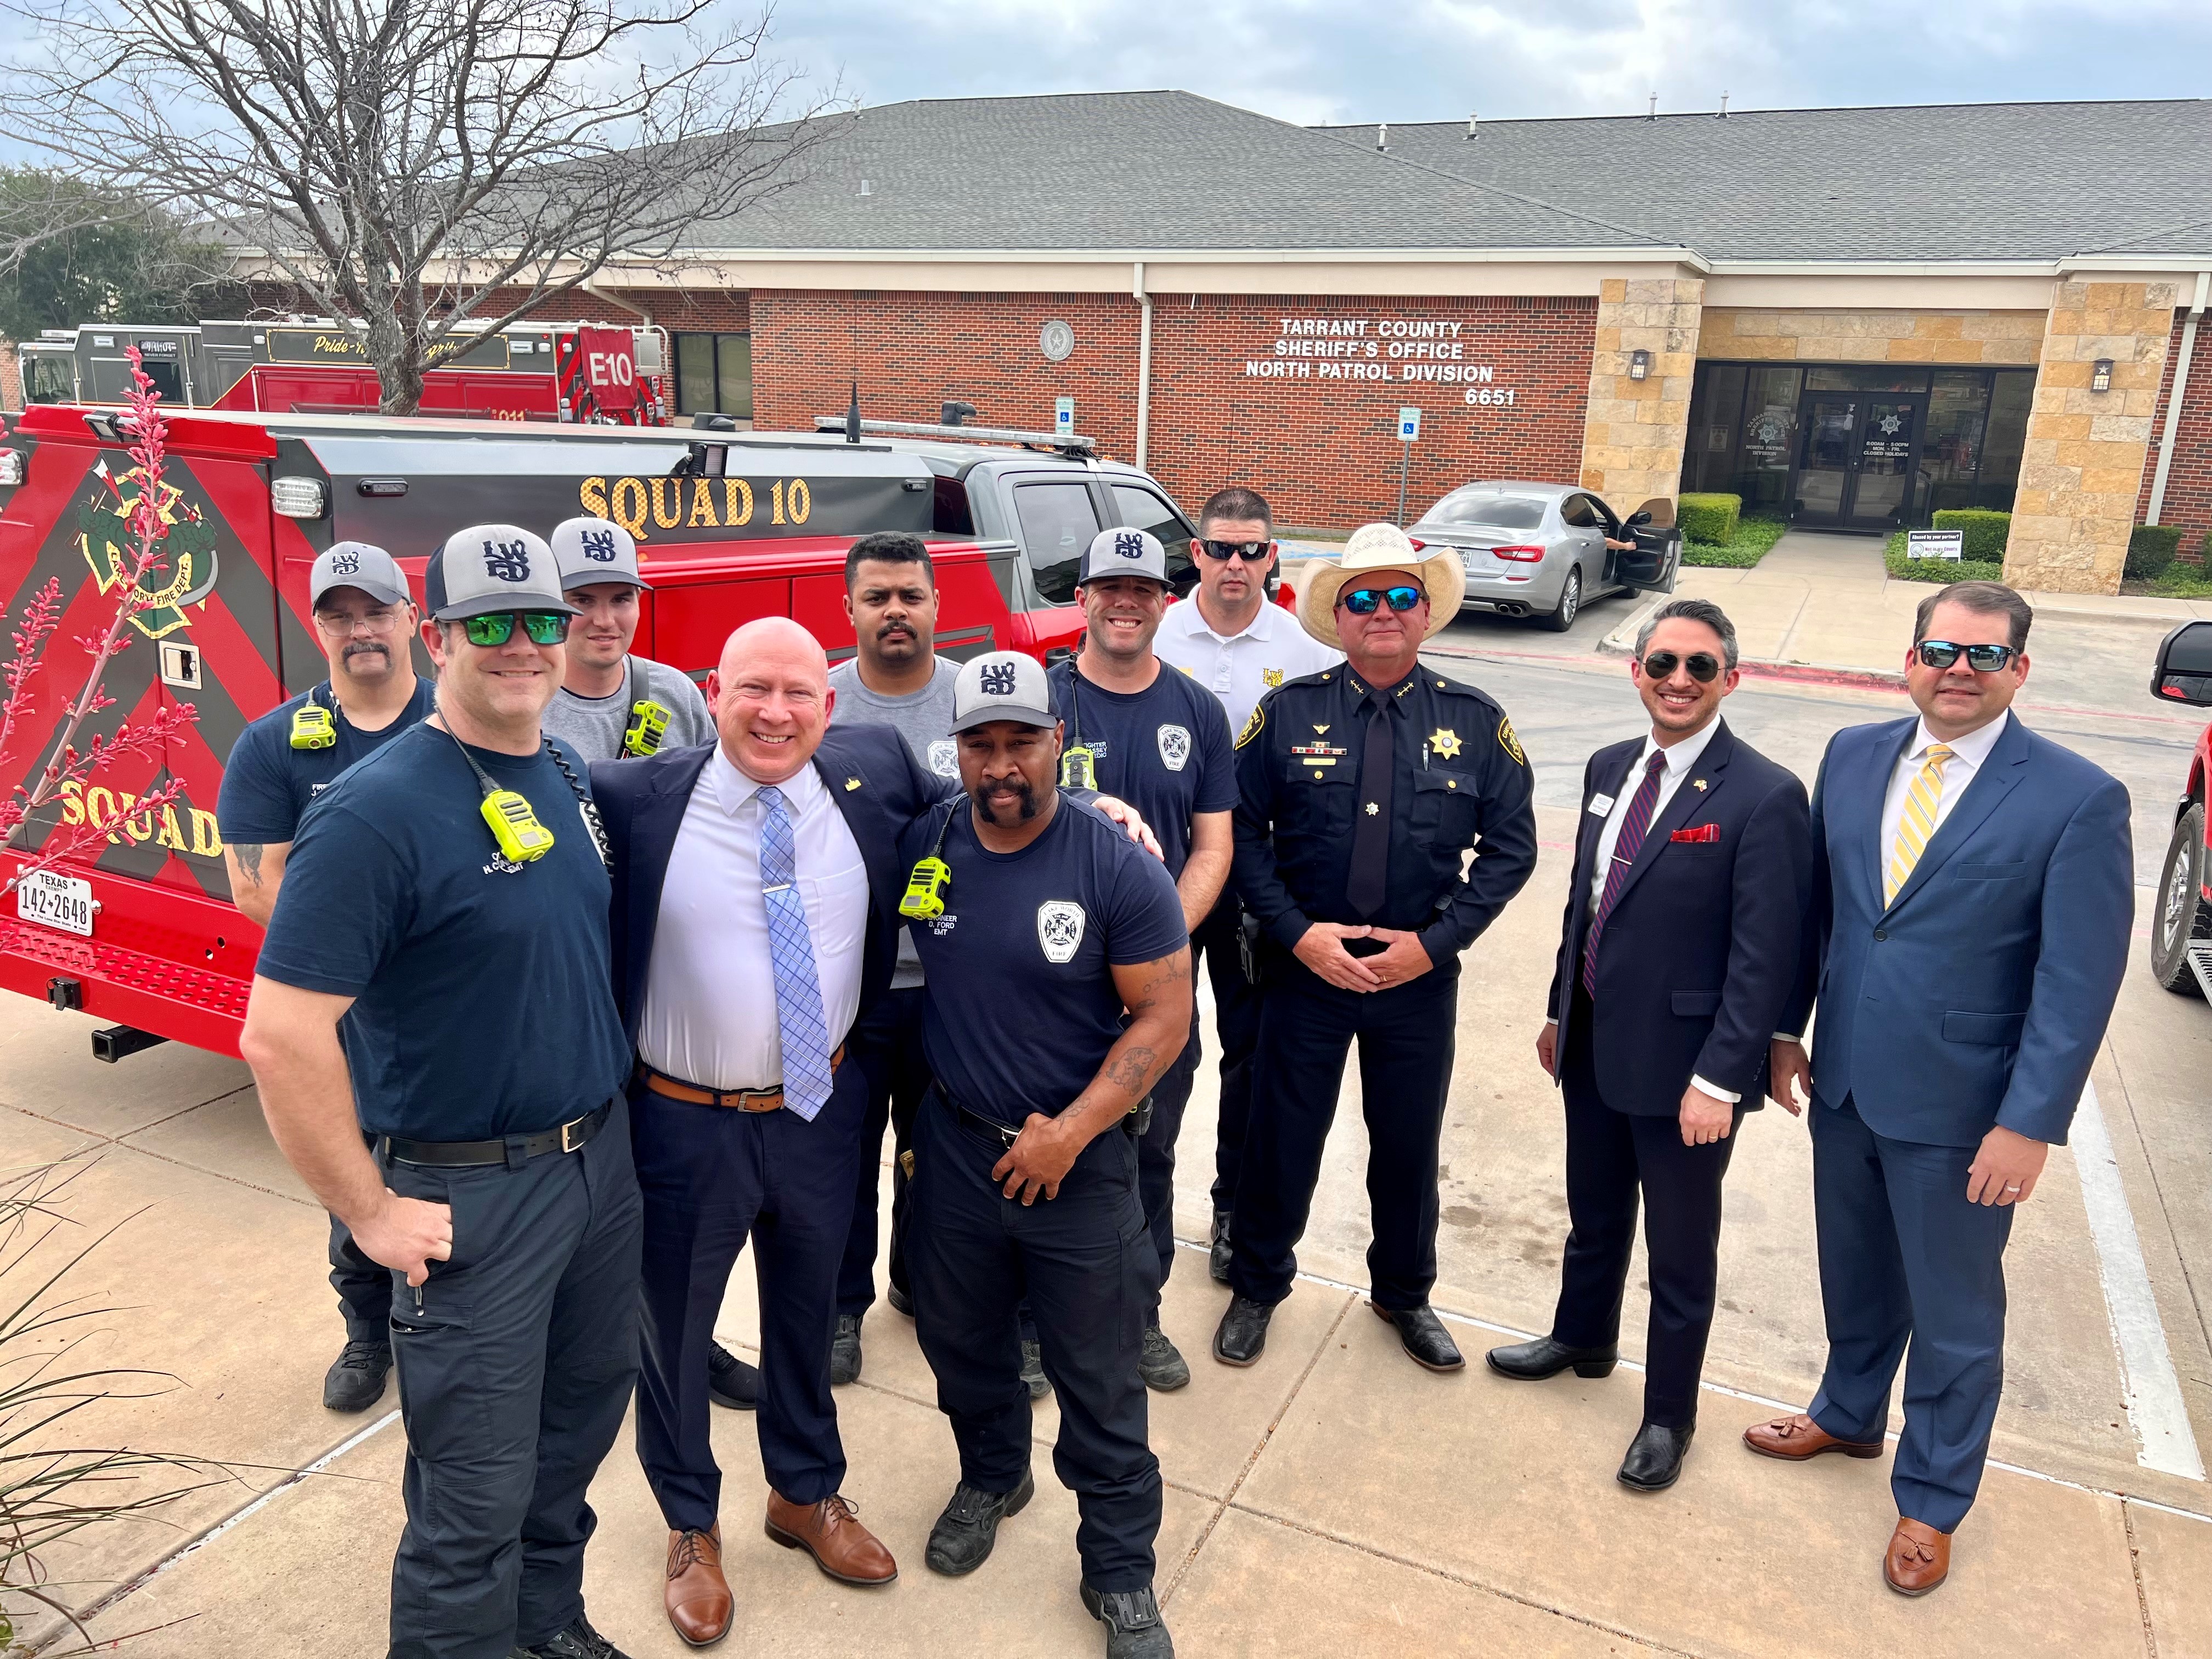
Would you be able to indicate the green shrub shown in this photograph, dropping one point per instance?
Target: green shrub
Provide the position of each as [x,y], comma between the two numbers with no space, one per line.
[1985,532]
[1937,570]
[1710,519]
[2151,548]
[1754,539]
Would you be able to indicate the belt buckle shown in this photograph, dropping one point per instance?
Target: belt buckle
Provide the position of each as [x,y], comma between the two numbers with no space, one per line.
[567,1144]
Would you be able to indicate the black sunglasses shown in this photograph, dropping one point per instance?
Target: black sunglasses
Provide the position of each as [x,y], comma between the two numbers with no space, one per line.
[543,627]
[1703,666]
[1250,552]
[1982,659]
[1363,601]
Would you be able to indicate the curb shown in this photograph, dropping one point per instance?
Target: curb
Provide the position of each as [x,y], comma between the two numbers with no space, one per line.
[1621,642]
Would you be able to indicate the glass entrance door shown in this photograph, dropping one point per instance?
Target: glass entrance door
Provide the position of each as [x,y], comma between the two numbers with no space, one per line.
[1858,461]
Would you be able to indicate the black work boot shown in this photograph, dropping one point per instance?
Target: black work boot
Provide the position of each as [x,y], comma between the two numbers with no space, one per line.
[730,1380]
[845,1351]
[354,1381]
[1243,1332]
[1220,1252]
[579,1641]
[1160,1363]
[1134,1629]
[961,1540]
[1033,1371]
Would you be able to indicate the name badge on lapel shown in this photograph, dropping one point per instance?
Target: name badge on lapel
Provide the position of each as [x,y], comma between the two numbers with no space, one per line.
[1600,805]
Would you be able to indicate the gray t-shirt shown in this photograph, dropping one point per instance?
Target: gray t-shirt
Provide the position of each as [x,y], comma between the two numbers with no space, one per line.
[593,726]
[924,719]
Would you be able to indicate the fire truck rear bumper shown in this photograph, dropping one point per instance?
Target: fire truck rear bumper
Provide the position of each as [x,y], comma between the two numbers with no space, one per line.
[115,983]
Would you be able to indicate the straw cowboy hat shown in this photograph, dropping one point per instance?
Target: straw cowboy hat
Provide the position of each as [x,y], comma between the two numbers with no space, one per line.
[1382,547]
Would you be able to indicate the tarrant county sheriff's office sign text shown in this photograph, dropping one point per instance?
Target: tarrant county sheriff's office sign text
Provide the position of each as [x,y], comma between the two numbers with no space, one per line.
[1395,349]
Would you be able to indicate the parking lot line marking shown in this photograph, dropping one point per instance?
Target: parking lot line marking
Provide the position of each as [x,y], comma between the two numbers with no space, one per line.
[2149,1386]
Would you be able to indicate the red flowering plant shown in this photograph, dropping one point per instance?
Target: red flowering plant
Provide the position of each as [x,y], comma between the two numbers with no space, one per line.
[146,527]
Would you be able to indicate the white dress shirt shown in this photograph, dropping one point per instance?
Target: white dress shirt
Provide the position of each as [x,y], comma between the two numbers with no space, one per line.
[1681,759]
[1240,668]
[1968,754]
[710,1014]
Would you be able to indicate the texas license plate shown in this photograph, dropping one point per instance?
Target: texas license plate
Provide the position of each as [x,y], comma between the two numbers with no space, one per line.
[53,901]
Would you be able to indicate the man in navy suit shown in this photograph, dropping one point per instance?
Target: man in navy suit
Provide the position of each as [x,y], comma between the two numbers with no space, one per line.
[1693,866]
[1973,891]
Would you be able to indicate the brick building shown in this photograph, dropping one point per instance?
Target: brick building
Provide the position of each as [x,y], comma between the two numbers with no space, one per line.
[1852,317]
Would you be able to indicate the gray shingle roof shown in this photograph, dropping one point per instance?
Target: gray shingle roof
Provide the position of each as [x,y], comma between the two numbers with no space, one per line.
[1959,181]
[1117,171]
[1131,170]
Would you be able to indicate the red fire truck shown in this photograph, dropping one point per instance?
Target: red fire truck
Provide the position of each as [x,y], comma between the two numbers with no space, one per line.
[583,372]
[732,526]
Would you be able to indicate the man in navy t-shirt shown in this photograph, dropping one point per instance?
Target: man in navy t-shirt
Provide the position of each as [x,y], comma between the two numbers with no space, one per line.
[367,618]
[1139,730]
[436,975]
[1051,925]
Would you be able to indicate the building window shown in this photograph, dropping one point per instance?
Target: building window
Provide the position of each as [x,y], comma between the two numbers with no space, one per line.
[715,375]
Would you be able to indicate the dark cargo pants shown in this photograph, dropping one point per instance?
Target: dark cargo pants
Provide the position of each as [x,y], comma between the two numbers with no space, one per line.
[1090,1270]
[516,1359]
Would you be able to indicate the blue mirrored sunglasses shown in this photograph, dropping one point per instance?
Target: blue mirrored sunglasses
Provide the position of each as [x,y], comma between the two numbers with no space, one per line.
[1363,601]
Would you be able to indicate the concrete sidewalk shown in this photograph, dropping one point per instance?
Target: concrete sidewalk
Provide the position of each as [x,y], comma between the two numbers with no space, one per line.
[1826,602]
[1332,1500]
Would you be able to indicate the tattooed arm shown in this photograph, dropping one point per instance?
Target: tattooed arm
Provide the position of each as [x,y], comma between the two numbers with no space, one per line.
[1158,995]
[257,870]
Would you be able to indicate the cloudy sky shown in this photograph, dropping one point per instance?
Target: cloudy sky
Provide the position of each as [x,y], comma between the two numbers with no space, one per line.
[1364,60]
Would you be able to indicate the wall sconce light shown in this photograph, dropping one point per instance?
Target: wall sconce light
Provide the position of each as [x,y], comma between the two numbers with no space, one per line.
[1639,365]
[2100,377]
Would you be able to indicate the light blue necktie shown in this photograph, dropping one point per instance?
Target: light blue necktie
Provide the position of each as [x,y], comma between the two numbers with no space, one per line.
[799,1018]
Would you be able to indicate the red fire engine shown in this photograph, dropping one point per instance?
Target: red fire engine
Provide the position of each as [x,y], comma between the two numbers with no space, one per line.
[582,372]
[733,525]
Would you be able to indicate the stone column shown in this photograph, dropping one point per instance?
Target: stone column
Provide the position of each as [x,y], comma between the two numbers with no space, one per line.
[2082,471]
[1633,434]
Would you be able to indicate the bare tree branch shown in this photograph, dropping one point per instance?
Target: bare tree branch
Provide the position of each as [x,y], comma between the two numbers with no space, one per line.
[431,166]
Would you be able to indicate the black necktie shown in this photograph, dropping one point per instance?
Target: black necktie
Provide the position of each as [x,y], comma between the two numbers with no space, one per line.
[1364,884]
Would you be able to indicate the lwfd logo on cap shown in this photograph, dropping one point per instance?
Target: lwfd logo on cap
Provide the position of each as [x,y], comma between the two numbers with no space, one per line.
[590,551]
[491,568]
[1124,552]
[1005,685]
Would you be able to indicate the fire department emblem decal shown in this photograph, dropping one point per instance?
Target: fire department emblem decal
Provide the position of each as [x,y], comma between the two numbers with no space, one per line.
[1060,929]
[186,568]
[945,757]
[1174,747]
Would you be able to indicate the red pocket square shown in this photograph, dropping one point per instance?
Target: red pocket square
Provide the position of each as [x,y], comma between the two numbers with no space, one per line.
[1707,833]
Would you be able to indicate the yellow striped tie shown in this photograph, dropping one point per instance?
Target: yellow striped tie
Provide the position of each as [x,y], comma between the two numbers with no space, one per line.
[1918,822]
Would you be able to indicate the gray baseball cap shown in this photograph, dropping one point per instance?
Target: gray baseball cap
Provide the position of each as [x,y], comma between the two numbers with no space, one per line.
[1124,553]
[490,568]
[357,564]
[1005,685]
[590,551]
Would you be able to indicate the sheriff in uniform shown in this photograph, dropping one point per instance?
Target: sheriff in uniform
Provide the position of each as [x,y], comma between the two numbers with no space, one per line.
[1361,790]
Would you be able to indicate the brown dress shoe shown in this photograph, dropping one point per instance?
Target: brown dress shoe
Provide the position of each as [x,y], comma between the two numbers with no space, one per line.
[697,1595]
[1797,1437]
[1918,1559]
[831,1531]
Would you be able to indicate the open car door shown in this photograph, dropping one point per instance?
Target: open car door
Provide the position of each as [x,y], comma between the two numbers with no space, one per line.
[1651,569]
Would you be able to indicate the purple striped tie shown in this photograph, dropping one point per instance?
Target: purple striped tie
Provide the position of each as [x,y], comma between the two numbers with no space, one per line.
[1632,829]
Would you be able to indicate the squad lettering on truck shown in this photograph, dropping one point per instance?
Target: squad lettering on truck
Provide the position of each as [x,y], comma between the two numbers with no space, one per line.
[641,506]
[111,810]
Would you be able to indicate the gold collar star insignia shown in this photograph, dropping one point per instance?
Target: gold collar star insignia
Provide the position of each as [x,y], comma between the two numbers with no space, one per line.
[1446,744]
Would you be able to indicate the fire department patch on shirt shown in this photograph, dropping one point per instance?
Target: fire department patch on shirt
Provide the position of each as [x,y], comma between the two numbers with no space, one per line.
[1271,678]
[1174,747]
[1509,742]
[1259,718]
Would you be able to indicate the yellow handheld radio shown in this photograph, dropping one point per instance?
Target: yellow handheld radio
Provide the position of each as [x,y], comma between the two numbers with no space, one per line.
[924,900]
[648,724]
[1078,768]
[311,727]
[514,825]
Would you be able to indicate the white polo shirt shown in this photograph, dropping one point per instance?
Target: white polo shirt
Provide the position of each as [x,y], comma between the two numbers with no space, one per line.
[1240,668]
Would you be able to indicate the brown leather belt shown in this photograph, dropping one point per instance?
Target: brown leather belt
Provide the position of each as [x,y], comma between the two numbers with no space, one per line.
[741,1100]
